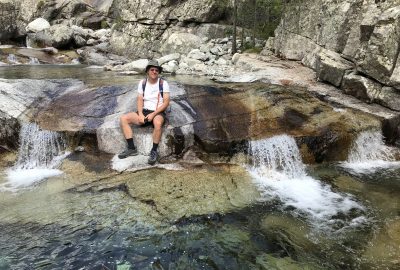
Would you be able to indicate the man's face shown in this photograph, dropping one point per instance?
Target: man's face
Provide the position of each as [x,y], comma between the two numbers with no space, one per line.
[153,72]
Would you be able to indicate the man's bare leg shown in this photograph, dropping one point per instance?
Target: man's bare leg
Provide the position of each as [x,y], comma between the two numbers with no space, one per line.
[125,121]
[157,132]
[158,121]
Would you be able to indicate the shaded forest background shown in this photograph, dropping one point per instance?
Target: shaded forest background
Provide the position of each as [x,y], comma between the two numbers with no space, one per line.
[256,19]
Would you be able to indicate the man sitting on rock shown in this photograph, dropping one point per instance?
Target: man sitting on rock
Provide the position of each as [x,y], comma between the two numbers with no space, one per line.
[152,101]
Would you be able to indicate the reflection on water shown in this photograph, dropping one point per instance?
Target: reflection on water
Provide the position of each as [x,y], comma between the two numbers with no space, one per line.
[91,75]
[54,227]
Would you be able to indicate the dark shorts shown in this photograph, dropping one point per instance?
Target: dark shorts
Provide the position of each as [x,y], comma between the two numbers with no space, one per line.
[150,123]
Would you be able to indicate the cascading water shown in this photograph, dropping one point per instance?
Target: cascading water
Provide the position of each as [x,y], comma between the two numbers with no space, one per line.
[39,148]
[33,61]
[369,145]
[40,152]
[278,171]
[279,153]
[12,59]
[369,153]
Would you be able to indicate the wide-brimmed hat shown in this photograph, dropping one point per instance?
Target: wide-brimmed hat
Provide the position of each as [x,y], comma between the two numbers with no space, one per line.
[153,63]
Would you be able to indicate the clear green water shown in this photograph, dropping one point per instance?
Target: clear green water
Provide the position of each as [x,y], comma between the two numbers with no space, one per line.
[51,226]
[91,76]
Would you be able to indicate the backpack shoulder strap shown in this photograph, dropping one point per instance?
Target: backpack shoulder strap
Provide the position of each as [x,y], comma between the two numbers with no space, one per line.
[161,87]
[144,82]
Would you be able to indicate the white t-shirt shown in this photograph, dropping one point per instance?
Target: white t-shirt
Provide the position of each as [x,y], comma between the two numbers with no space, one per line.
[151,94]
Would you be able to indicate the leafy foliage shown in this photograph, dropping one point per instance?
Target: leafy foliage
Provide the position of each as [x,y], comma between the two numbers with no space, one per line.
[258,18]
[262,16]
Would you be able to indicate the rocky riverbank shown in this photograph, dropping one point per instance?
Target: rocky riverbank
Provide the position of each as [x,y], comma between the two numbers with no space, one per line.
[352,45]
[122,37]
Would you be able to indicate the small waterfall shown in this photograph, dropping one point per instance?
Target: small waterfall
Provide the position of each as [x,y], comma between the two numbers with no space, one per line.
[369,146]
[33,61]
[369,153]
[278,171]
[75,61]
[39,148]
[279,153]
[40,152]
[12,59]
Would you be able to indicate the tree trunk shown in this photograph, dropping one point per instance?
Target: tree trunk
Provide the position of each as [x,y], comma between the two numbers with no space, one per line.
[254,23]
[234,49]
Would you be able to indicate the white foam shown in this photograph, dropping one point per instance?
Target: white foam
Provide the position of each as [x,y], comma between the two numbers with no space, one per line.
[40,152]
[22,178]
[339,110]
[370,154]
[278,172]
[371,166]
[307,195]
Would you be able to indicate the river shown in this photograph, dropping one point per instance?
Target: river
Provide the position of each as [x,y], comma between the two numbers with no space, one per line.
[264,209]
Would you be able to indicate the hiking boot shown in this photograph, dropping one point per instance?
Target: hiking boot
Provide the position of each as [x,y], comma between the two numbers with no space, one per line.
[128,152]
[153,157]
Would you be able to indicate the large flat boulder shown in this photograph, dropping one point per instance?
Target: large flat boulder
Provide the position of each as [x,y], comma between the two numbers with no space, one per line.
[322,22]
[173,196]
[217,118]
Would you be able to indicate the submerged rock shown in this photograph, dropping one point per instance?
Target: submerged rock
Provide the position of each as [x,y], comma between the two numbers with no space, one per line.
[268,262]
[175,195]
[384,249]
[288,232]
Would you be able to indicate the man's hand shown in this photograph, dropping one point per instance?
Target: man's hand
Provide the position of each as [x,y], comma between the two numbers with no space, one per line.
[141,118]
[151,116]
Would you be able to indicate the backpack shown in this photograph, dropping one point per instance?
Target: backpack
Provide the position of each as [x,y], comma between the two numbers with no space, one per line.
[160,86]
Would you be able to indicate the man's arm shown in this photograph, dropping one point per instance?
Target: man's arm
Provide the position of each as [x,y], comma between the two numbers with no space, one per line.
[165,104]
[140,107]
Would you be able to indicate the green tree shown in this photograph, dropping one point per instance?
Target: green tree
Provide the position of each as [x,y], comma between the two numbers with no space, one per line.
[234,48]
[256,18]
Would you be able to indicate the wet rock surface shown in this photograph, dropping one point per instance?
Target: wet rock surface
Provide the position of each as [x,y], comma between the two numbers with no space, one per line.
[220,118]
[383,249]
[170,195]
